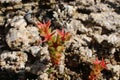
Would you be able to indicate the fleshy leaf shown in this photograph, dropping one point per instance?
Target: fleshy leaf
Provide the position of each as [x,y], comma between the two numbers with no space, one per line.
[103,64]
[64,36]
[56,58]
[48,37]
[96,62]
[60,48]
[44,28]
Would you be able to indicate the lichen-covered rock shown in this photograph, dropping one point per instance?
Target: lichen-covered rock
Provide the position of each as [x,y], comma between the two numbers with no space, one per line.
[43,76]
[42,64]
[78,16]
[108,20]
[114,39]
[34,50]
[44,55]
[115,70]
[10,1]
[77,42]
[100,8]
[38,68]
[20,39]
[28,17]
[61,15]
[61,66]
[69,10]
[99,38]
[13,60]
[85,2]
[2,20]
[74,45]
[76,25]
[18,22]
[34,31]
[115,2]
[85,51]
[93,24]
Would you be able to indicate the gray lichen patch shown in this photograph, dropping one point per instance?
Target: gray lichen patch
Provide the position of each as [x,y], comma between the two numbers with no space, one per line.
[108,20]
[19,37]
[10,1]
[13,60]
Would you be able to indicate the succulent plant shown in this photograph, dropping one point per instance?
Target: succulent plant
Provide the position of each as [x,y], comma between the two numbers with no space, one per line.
[98,66]
[54,39]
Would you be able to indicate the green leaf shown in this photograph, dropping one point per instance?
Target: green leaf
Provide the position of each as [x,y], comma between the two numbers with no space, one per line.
[60,48]
[50,43]
[51,49]
[50,70]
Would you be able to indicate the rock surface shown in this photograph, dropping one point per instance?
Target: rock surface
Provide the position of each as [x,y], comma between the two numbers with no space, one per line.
[19,37]
[108,20]
[13,60]
[93,24]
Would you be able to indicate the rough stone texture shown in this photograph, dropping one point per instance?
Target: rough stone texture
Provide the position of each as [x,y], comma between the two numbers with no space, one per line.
[34,50]
[86,2]
[100,7]
[19,37]
[38,68]
[13,60]
[42,64]
[76,25]
[93,24]
[108,20]
[116,70]
[44,55]
[43,76]
[18,22]
[12,1]
[114,39]
[1,20]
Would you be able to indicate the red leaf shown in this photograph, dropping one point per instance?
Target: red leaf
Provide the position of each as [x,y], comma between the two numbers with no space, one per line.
[100,63]
[103,64]
[62,34]
[47,37]
[97,62]
[44,27]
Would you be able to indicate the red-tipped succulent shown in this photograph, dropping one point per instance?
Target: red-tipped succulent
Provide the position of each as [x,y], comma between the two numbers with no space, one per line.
[44,26]
[98,66]
[103,64]
[96,62]
[47,37]
[63,35]
[54,40]
[45,30]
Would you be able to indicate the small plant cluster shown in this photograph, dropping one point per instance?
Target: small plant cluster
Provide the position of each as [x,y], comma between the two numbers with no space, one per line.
[55,40]
[98,66]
